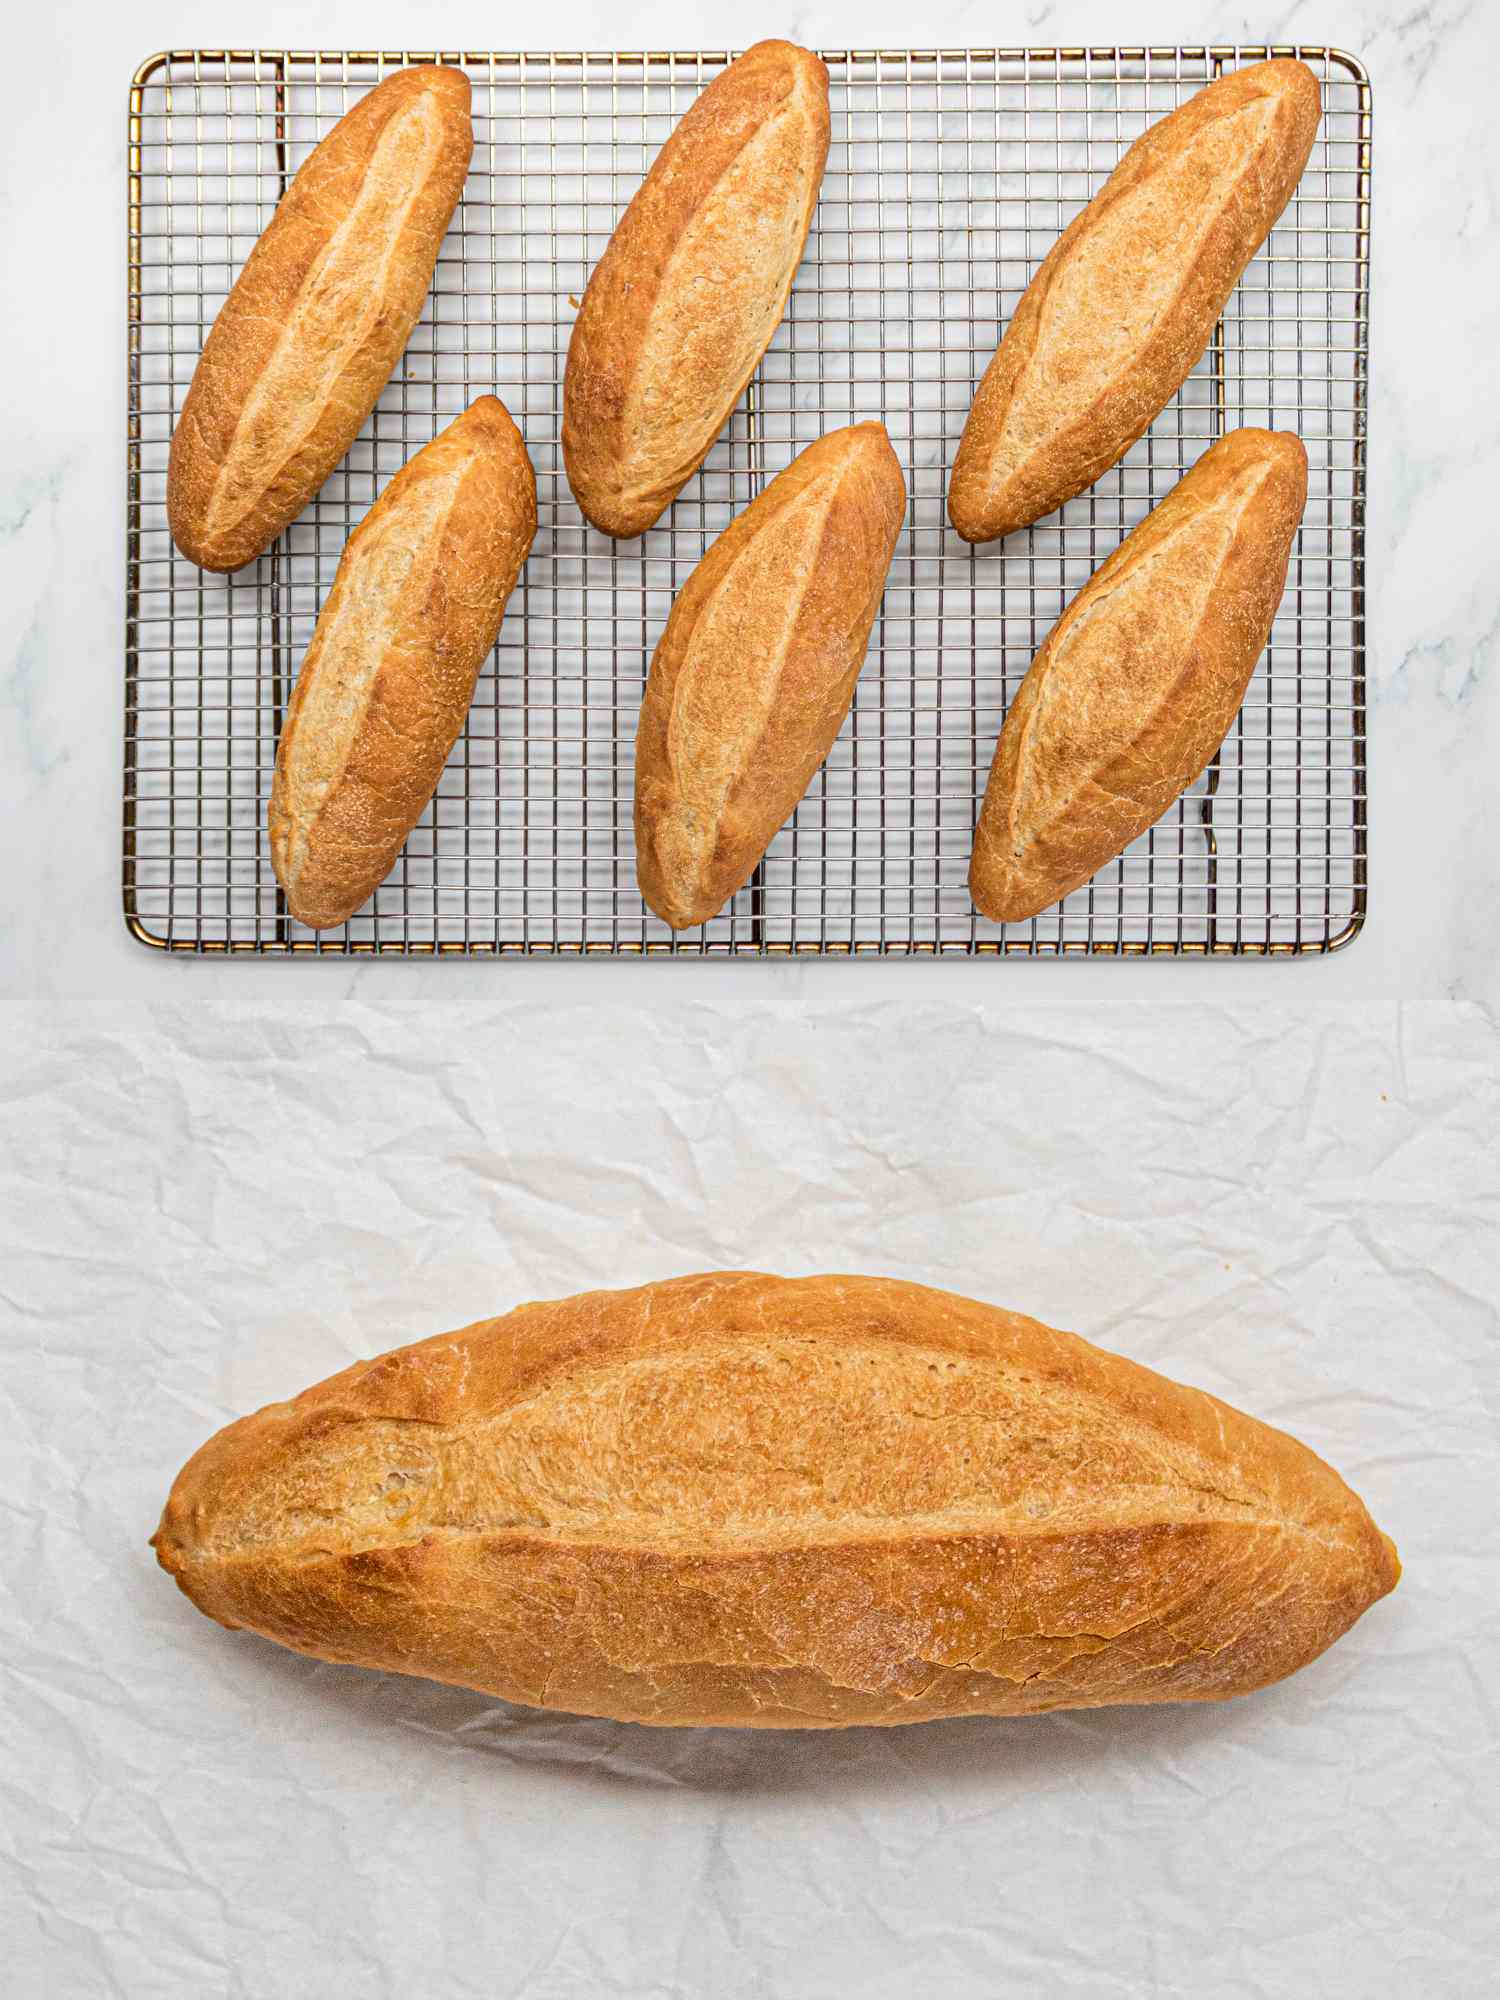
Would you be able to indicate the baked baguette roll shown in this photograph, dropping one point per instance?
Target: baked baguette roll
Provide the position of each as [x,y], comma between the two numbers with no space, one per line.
[1137,683]
[318,318]
[415,607]
[693,285]
[753,676]
[778,1504]
[1126,301]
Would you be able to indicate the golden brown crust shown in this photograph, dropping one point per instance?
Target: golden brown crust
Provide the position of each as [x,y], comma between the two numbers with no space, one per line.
[693,285]
[747,1500]
[753,676]
[1125,303]
[1136,685]
[384,691]
[318,318]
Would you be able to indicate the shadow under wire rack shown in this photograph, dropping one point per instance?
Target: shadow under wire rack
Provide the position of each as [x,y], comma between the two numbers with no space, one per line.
[950,175]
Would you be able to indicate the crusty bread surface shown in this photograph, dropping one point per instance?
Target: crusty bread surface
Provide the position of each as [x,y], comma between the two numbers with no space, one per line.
[318,318]
[755,670]
[1137,684]
[415,607]
[776,1503]
[1126,301]
[693,285]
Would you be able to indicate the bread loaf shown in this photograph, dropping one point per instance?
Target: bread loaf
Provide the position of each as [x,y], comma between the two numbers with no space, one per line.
[1126,301]
[693,285]
[1138,682]
[755,671]
[414,610]
[741,1499]
[318,318]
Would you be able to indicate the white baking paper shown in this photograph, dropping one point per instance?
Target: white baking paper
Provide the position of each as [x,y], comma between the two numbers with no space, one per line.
[211,1213]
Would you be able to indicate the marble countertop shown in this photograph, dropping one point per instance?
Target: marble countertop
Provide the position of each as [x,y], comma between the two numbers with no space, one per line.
[220,1181]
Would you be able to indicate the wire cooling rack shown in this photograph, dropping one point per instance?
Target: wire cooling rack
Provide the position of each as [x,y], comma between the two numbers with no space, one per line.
[949,177]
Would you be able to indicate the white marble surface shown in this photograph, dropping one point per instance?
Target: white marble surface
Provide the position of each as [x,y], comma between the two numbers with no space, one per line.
[220,1181]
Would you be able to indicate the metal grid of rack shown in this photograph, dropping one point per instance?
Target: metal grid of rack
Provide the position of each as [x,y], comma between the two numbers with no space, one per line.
[949,176]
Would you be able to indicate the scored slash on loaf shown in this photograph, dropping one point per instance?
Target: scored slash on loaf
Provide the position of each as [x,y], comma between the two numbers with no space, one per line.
[415,607]
[776,1503]
[693,285]
[1127,299]
[754,673]
[1138,682]
[318,318]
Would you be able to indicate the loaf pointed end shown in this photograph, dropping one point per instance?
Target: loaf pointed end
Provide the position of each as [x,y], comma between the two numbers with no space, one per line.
[965,523]
[1002,892]
[1392,1568]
